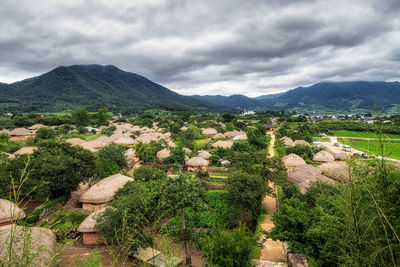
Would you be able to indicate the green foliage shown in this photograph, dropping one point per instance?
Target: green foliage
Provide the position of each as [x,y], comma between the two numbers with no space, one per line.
[257,137]
[303,151]
[45,133]
[145,174]
[147,152]
[226,248]
[102,117]
[110,160]
[44,208]
[93,260]
[246,193]
[177,156]
[80,117]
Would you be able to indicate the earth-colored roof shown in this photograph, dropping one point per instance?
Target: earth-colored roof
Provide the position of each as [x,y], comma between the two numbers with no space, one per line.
[88,225]
[300,142]
[304,175]
[9,211]
[204,155]
[223,144]
[293,160]
[219,135]
[323,156]
[197,162]
[104,190]
[75,141]
[28,150]
[287,141]
[337,170]
[162,154]
[20,132]
[209,132]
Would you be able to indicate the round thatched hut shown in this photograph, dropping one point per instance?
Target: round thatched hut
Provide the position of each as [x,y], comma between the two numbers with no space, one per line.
[9,212]
[301,142]
[304,175]
[293,160]
[125,141]
[337,170]
[171,144]
[37,126]
[23,151]
[323,156]
[204,154]
[99,194]
[36,242]
[232,134]
[223,144]
[162,154]
[196,163]
[287,141]
[219,135]
[209,132]
[87,228]
[187,150]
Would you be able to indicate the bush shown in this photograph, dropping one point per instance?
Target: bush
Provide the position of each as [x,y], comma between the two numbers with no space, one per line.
[145,174]
[303,151]
[45,133]
[42,210]
[110,160]
[225,248]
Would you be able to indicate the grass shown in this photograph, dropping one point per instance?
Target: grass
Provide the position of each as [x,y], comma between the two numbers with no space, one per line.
[357,134]
[218,176]
[392,149]
[322,139]
[201,141]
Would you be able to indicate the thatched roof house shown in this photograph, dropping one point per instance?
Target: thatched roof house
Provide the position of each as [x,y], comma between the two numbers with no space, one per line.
[147,138]
[209,132]
[338,170]
[219,135]
[162,154]
[240,137]
[304,175]
[102,192]
[287,141]
[196,163]
[5,131]
[187,150]
[37,126]
[9,212]
[87,228]
[171,144]
[39,242]
[184,128]
[293,160]
[232,134]
[204,154]
[28,150]
[323,156]
[223,144]
[337,152]
[20,134]
[75,141]
[301,142]
[93,145]
[125,141]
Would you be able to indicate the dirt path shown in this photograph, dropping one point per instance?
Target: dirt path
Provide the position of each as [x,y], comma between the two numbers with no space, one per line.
[272,252]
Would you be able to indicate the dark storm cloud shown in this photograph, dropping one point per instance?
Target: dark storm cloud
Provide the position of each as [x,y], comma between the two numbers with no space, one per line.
[206,47]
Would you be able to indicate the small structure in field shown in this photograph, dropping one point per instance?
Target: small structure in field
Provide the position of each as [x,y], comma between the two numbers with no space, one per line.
[28,150]
[20,134]
[87,228]
[304,175]
[209,132]
[38,242]
[162,154]
[103,192]
[293,160]
[9,212]
[223,144]
[287,141]
[323,156]
[301,142]
[196,163]
[204,154]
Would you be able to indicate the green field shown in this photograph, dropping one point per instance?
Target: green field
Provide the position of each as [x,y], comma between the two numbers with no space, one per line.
[392,150]
[357,134]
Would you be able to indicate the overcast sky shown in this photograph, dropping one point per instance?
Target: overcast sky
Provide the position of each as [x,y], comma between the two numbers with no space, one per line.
[250,47]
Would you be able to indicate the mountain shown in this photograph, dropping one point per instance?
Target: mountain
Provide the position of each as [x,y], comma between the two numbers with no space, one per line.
[94,86]
[321,97]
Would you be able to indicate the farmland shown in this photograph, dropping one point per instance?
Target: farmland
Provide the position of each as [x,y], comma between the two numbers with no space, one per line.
[392,149]
[357,134]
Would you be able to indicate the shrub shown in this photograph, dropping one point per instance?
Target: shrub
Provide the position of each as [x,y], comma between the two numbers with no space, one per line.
[145,174]
[110,160]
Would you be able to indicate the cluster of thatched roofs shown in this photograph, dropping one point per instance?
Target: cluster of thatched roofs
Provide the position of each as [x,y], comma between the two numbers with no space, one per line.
[304,174]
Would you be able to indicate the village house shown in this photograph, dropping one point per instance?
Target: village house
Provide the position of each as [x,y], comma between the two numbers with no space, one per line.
[196,163]
[9,212]
[87,228]
[19,134]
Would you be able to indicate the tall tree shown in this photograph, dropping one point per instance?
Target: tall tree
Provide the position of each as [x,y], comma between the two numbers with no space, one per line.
[80,117]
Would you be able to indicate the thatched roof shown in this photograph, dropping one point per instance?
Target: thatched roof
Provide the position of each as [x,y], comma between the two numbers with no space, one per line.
[104,139]
[28,150]
[187,150]
[162,154]
[293,160]
[337,170]
[147,138]
[88,225]
[232,134]
[323,156]
[116,136]
[104,190]
[37,126]
[184,128]
[5,131]
[20,132]
[42,244]
[204,155]
[287,141]
[242,136]
[125,141]
[171,144]
[209,132]
[93,145]
[130,154]
[224,144]
[304,175]
[9,211]
[337,152]
[197,162]
[300,142]
[75,141]
[219,135]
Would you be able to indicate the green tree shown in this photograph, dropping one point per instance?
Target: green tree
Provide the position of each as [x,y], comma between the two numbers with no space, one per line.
[146,174]
[246,192]
[80,117]
[102,117]
[229,248]
[45,133]
[110,160]
[179,193]
[147,152]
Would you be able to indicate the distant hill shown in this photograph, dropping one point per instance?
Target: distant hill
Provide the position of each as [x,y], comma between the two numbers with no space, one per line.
[322,97]
[94,86]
